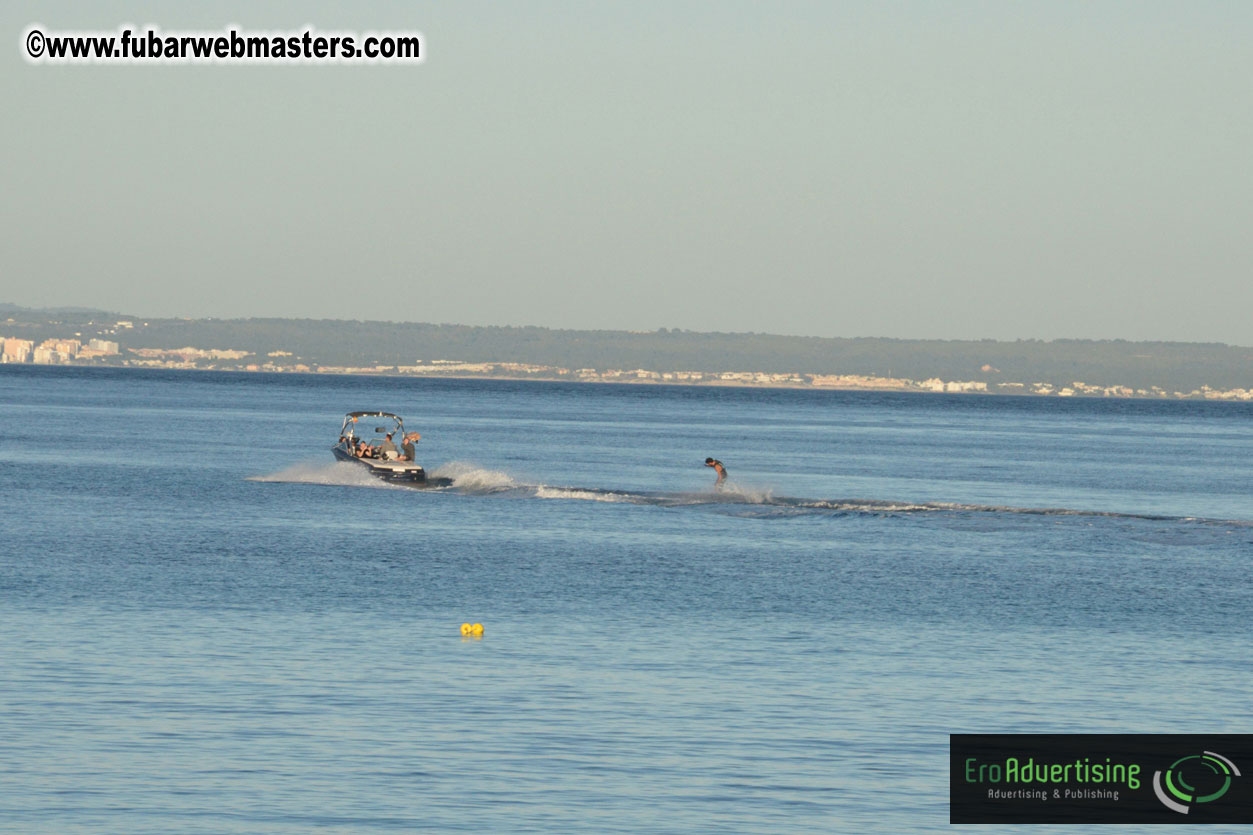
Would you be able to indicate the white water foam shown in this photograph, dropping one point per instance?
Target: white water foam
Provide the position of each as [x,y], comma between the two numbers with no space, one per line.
[862,505]
[338,473]
[545,492]
[736,492]
[471,479]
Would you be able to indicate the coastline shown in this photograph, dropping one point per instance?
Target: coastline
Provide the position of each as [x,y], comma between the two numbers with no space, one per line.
[1013,390]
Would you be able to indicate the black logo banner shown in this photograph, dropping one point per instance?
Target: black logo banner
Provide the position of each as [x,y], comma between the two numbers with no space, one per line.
[1100,778]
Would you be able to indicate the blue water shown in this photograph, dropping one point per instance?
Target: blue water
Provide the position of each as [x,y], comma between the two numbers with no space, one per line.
[208,626]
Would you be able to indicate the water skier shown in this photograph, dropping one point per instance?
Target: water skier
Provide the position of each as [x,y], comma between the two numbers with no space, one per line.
[719,469]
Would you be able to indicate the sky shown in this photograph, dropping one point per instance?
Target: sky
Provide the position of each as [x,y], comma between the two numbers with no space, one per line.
[903,169]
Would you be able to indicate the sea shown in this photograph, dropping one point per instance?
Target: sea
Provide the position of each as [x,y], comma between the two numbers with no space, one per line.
[209,626]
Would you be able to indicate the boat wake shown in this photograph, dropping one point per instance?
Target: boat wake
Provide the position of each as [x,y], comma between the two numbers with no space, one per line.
[468,478]
[338,474]
[741,500]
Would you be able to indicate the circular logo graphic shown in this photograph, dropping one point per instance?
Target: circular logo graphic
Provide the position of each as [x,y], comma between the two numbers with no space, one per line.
[1194,779]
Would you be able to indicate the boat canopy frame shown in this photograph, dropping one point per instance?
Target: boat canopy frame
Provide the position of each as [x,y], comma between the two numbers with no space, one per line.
[351,418]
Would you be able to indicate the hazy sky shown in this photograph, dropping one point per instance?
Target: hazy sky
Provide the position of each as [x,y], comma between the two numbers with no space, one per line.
[910,169]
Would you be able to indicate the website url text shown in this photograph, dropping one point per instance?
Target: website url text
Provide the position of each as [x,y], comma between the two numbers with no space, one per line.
[132,45]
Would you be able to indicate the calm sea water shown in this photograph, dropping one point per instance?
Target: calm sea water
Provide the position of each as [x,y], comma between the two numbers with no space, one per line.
[207,626]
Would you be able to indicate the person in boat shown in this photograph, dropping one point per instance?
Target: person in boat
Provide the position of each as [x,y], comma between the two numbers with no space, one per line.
[411,439]
[387,449]
[719,469]
[362,450]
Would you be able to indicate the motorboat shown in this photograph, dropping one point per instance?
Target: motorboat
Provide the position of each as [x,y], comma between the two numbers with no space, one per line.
[370,449]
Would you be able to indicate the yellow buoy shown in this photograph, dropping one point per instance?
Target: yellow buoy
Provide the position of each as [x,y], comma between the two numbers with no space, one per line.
[466,629]
[477,629]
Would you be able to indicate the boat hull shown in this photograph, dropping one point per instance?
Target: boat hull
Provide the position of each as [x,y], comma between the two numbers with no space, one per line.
[402,472]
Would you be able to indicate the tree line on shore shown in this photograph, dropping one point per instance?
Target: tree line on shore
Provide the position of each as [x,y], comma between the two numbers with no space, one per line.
[1169,365]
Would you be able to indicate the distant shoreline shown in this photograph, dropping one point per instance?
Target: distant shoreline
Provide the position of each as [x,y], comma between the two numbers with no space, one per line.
[709,384]
[1061,368]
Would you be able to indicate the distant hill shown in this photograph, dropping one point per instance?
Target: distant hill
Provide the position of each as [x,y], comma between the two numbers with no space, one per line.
[73,314]
[1171,365]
